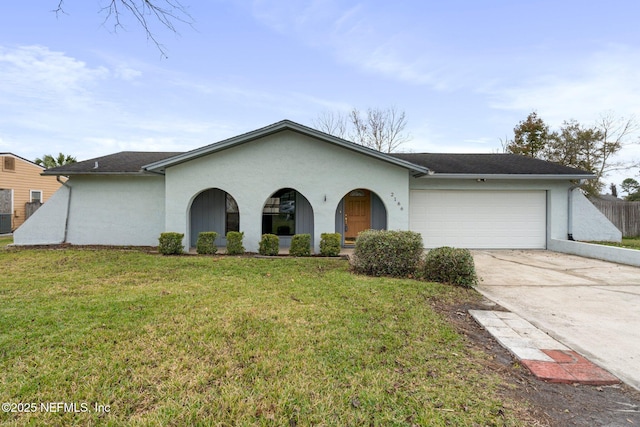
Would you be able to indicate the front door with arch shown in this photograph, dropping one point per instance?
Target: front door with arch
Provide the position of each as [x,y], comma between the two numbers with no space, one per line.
[360,209]
[357,214]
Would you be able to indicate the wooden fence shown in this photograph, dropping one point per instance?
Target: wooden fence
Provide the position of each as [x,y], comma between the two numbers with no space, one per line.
[624,215]
[30,208]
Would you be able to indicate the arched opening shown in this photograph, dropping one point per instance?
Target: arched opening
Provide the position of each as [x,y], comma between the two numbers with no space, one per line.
[360,209]
[214,210]
[285,213]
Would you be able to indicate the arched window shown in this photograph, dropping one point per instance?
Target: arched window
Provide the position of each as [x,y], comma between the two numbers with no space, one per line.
[279,213]
[232,214]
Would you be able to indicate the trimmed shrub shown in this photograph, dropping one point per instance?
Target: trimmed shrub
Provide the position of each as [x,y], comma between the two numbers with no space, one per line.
[269,245]
[170,243]
[330,244]
[206,244]
[450,265]
[300,245]
[387,253]
[234,243]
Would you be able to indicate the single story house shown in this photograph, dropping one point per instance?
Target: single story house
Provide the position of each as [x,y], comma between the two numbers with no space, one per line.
[287,179]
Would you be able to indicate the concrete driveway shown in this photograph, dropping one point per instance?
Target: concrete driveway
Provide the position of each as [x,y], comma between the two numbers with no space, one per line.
[589,305]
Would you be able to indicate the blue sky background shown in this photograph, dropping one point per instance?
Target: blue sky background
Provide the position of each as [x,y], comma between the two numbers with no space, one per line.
[464,71]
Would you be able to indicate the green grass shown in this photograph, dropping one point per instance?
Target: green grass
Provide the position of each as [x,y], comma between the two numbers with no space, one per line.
[627,242]
[232,341]
[5,240]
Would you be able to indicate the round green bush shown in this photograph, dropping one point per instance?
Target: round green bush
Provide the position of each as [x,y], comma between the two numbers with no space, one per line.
[387,253]
[450,265]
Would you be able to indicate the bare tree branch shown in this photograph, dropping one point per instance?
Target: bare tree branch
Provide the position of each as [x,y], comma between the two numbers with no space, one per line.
[615,133]
[379,129]
[332,123]
[145,13]
[60,8]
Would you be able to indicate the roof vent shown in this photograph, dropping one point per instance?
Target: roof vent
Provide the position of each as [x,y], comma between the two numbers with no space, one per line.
[95,166]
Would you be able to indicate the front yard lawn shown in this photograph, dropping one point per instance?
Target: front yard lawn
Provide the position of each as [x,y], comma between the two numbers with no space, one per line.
[188,340]
[5,240]
[627,242]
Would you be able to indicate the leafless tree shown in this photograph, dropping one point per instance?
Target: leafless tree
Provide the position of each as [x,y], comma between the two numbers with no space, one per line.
[145,12]
[379,129]
[616,132]
[333,123]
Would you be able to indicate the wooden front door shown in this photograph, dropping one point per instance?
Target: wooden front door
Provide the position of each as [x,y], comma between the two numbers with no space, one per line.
[357,214]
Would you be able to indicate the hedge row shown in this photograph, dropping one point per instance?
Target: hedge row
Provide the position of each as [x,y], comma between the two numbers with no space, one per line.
[301,244]
[170,243]
[376,253]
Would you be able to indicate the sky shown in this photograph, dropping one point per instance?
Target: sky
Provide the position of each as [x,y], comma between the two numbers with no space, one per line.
[465,72]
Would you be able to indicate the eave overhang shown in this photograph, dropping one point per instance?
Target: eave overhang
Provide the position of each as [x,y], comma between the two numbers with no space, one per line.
[554,177]
[85,173]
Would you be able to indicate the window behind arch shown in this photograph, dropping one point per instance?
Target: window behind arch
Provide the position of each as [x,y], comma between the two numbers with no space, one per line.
[279,213]
[232,222]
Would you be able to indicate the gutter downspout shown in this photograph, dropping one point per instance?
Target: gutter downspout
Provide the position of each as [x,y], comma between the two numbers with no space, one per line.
[570,208]
[66,220]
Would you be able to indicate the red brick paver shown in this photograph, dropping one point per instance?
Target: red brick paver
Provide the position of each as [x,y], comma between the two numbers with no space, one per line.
[568,367]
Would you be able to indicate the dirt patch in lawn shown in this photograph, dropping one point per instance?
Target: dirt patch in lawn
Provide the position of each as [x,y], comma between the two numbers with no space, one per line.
[545,404]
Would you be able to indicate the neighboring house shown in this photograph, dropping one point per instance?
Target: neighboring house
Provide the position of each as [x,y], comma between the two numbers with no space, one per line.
[287,179]
[22,190]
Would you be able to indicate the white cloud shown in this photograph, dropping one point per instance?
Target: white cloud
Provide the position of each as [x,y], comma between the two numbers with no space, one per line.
[361,40]
[359,35]
[126,73]
[100,146]
[35,72]
[606,80]
[300,17]
[50,101]
[283,103]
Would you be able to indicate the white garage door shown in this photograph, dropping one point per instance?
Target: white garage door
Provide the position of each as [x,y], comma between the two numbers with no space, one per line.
[479,219]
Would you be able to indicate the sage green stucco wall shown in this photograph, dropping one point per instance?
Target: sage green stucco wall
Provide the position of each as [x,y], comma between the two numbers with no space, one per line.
[252,171]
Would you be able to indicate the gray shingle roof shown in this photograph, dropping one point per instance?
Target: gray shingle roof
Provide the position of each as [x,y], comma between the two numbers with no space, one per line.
[487,164]
[435,164]
[125,162]
[131,162]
